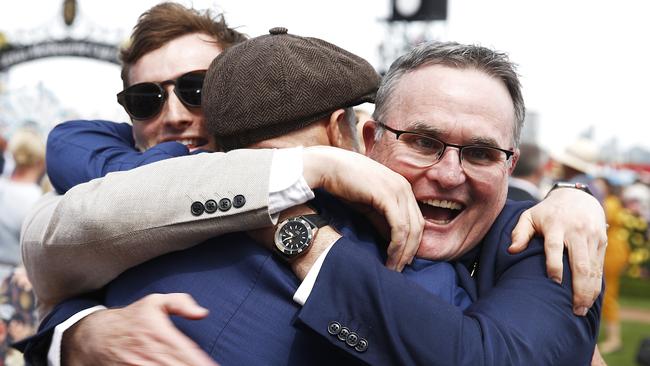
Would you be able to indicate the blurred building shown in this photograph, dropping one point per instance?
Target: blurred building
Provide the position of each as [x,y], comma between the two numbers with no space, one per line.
[638,155]
[610,152]
[32,104]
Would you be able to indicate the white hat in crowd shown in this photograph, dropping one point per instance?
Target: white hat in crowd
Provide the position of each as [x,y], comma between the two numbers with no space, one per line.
[582,155]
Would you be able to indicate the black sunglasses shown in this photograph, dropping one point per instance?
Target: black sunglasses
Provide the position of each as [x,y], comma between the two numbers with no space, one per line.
[145,100]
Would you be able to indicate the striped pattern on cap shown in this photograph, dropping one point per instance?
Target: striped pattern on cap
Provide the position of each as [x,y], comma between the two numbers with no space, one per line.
[278,83]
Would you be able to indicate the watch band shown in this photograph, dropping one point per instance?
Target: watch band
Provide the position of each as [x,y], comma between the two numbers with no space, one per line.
[317,220]
[581,186]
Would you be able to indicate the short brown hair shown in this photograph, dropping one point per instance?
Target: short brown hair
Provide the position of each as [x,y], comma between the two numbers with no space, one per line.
[168,21]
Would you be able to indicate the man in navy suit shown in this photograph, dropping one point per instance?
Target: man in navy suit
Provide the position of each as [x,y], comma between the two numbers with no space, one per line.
[569,333]
[448,118]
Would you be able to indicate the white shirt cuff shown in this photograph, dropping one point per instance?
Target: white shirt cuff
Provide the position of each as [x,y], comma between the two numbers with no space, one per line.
[287,186]
[54,354]
[304,290]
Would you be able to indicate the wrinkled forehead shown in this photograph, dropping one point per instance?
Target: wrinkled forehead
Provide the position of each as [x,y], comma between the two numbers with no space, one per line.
[459,105]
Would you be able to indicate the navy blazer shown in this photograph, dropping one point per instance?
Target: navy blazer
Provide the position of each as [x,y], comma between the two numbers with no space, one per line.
[79,151]
[519,317]
[518,194]
[249,294]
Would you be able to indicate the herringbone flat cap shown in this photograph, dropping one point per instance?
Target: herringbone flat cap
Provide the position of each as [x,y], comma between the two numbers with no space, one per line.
[277,83]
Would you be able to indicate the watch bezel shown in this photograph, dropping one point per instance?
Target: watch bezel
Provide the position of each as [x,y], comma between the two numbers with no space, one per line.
[291,253]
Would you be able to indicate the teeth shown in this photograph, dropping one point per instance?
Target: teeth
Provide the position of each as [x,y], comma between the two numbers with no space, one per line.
[188,142]
[443,204]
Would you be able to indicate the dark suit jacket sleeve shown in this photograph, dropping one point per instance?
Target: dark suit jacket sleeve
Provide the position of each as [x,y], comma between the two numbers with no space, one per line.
[35,348]
[518,194]
[525,319]
[79,151]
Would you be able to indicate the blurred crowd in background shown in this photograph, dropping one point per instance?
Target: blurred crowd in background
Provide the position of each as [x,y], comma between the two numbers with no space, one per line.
[22,182]
[624,193]
[625,196]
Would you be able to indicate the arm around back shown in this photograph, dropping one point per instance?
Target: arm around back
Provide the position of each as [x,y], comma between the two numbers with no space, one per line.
[72,245]
[520,317]
[79,151]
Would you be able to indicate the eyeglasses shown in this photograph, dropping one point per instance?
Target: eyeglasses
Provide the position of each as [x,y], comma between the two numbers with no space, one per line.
[424,151]
[145,100]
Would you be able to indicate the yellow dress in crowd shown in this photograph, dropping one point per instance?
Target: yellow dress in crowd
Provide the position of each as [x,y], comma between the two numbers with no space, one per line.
[616,256]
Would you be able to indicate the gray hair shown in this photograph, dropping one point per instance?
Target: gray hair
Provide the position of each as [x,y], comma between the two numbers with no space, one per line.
[452,54]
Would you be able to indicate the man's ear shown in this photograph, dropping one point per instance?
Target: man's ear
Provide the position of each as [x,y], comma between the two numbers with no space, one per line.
[369,129]
[513,161]
[334,133]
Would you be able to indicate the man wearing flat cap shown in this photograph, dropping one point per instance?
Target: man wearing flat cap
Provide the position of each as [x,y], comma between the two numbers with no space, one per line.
[281,90]
[269,104]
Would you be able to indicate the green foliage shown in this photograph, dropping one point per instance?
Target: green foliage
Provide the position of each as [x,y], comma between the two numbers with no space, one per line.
[635,287]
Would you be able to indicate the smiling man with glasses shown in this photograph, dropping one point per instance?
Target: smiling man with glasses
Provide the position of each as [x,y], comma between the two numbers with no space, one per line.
[479,162]
[449,121]
[448,118]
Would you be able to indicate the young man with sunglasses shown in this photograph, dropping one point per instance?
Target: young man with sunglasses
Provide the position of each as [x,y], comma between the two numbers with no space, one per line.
[163,70]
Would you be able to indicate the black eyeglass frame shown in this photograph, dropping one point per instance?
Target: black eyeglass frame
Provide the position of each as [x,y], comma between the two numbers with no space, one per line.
[163,95]
[460,148]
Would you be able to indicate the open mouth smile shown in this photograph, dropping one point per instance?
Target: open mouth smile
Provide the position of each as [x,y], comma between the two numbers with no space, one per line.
[440,212]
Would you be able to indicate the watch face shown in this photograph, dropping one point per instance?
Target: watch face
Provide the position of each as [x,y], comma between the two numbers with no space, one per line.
[293,236]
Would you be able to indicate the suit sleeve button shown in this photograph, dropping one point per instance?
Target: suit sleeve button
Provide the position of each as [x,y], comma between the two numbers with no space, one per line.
[210,206]
[225,204]
[334,328]
[343,334]
[362,346]
[197,208]
[238,201]
[352,340]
